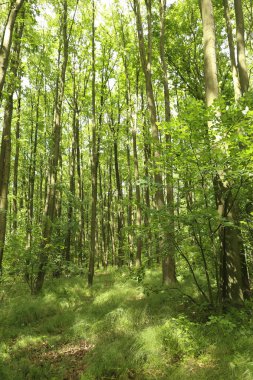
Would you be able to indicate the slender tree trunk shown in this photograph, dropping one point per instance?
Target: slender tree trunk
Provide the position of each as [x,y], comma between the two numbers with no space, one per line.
[145,56]
[130,199]
[241,56]
[231,245]
[120,222]
[130,185]
[50,205]
[231,267]
[169,260]
[31,185]
[16,165]
[110,236]
[94,161]
[210,65]
[102,196]
[7,40]
[236,83]
[138,199]
[147,159]
[5,156]
[81,236]
[137,179]
[125,57]
[5,152]
[72,189]
[75,165]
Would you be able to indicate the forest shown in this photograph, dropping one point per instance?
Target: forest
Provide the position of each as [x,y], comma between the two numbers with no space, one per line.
[126,189]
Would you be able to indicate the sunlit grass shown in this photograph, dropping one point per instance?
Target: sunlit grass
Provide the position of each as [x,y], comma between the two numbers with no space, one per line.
[120,329]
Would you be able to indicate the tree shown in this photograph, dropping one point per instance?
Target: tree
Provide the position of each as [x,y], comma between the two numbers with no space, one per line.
[5,152]
[145,56]
[7,40]
[50,204]
[230,239]
[128,145]
[169,260]
[94,160]
[236,83]
[241,56]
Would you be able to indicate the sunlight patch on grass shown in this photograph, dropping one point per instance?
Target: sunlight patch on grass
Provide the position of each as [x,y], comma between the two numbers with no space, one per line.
[116,294]
[4,351]
[28,341]
[139,331]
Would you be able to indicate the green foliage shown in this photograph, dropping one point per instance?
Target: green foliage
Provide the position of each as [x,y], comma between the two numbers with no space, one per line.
[128,325]
[137,273]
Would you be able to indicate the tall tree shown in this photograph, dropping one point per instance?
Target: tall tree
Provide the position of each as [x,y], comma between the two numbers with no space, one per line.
[6,41]
[50,205]
[230,239]
[210,62]
[137,179]
[236,83]
[94,161]
[169,264]
[145,56]
[115,125]
[241,55]
[16,163]
[5,152]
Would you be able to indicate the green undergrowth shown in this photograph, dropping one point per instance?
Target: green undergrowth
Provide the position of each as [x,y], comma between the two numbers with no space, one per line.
[123,327]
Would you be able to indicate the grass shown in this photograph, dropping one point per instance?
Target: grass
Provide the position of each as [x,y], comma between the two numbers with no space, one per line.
[119,329]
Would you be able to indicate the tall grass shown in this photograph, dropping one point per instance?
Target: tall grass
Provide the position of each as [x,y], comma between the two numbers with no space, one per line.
[122,328]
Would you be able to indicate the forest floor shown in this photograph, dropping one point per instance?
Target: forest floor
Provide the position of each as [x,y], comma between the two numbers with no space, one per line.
[119,329]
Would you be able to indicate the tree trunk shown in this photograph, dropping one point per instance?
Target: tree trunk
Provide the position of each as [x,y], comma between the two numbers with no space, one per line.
[50,205]
[72,189]
[7,40]
[210,65]
[16,165]
[31,185]
[94,161]
[145,56]
[137,189]
[231,245]
[230,259]
[103,243]
[5,156]
[110,236]
[241,56]
[5,152]
[130,199]
[169,260]
[76,132]
[236,83]
[147,159]
[120,224]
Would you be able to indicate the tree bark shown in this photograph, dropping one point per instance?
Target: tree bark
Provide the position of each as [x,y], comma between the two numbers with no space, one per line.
[169,269]
[137,186]
[94,161]
[236,83]
[120,222]
[210,65]
[50,204]
[145,56]
[241,55]
[72,189]
[230,257]
[16,165]
[7,40]
[31,185]
[5,152]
